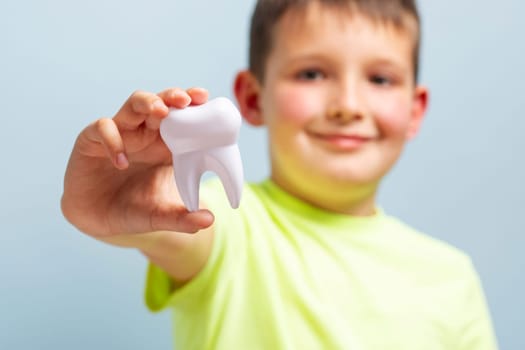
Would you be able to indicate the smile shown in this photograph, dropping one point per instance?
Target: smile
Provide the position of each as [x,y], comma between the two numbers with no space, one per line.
[342,142]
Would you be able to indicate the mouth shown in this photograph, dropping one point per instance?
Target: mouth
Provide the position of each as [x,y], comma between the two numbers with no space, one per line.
[341,141]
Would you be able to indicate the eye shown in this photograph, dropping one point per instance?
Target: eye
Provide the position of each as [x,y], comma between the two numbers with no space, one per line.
[380,80]
[310,74]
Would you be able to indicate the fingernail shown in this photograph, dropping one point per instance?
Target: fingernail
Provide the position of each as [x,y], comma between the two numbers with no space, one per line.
[182,98]
[187,101]
[159,105]
[122,160]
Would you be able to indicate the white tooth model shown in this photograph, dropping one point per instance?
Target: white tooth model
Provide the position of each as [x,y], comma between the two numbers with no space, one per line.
[204,138]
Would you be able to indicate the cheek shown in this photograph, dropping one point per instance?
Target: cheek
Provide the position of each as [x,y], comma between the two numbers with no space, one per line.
[294,104]
[393,117]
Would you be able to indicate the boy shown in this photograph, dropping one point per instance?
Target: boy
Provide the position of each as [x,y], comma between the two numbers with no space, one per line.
[308,261]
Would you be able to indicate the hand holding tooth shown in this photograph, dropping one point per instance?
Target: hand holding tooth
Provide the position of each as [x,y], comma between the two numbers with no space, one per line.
[119,178]
[204,138]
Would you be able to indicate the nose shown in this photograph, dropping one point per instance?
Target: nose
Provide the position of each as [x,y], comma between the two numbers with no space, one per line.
[343,116]
[346,104]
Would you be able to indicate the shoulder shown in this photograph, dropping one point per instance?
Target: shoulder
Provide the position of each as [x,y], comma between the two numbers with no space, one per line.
[428,251]
[445,272]
[449,277]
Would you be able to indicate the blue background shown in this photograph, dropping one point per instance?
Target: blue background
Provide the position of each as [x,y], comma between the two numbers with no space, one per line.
[66,63]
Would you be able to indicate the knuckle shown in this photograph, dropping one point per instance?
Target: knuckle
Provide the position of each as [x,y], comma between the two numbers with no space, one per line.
[137,94]
[139,100]
[197,89]
[102,124]
[155,218]
[175,92]
[134,97]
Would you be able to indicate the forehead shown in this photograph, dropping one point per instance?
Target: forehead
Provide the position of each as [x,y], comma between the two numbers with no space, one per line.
[317,25]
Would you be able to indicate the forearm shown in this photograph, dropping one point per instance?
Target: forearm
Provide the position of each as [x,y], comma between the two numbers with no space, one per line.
[142,241]
[180,255]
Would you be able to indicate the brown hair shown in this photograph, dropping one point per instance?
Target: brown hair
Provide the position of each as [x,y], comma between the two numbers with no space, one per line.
[268,12]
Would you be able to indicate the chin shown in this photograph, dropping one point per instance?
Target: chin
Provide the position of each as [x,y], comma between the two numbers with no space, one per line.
[343,181]
[350,176]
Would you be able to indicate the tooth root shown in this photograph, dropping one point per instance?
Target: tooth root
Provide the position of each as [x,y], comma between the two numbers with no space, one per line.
[188,173]
[226,163]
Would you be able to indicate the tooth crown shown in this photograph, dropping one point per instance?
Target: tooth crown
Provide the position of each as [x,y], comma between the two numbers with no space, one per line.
[215,123]
[203,138]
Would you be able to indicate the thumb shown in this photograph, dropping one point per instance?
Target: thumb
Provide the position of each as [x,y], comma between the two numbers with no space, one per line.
[174,219]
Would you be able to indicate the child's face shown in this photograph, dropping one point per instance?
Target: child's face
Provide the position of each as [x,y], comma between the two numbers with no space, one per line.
[339,102]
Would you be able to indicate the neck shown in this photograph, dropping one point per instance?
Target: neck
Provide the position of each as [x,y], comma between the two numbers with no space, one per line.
[354,200]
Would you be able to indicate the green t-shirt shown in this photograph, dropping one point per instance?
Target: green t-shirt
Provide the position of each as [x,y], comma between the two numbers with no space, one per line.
[285,275]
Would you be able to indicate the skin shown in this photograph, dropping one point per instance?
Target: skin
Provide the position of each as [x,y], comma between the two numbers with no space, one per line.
[339,92]
[119,186]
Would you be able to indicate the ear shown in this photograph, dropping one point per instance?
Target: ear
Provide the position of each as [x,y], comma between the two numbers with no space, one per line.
[247,91]
[419,108]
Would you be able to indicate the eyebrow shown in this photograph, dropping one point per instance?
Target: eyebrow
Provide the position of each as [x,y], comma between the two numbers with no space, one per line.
[308,57]
[380,60]
[390,62]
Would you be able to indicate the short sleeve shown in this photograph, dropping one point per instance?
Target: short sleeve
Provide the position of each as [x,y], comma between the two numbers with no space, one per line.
[476,331]
[160,291]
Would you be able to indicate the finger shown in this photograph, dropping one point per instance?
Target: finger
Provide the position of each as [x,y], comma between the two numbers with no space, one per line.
[198,95]
[105,132]
[175,97]
[153,123]
[178,220]
[178,98]
[139,106]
